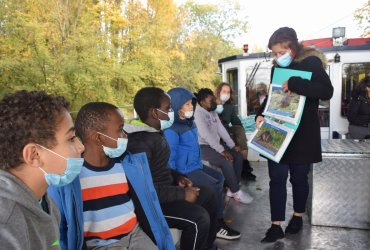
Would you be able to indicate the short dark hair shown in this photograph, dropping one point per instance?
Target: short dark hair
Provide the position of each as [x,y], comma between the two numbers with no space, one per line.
[203,93]
[92,115]
[28,117]
[147,98]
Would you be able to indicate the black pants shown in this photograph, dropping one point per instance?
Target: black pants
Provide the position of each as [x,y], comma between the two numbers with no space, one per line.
[278,173]
[198,221]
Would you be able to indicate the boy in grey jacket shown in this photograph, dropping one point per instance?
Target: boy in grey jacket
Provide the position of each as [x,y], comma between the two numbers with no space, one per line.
[37,147]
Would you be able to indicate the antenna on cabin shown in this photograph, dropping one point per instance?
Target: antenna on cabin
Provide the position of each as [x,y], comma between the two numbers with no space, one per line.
[245,49]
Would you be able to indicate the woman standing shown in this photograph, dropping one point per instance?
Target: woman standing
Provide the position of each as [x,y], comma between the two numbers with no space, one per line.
[305,147]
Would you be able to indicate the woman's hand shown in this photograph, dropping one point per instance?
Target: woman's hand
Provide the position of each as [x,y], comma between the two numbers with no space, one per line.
[285,88]
[259,120]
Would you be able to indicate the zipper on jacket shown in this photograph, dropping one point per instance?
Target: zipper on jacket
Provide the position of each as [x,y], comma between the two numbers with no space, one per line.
[152,205]
[77,222]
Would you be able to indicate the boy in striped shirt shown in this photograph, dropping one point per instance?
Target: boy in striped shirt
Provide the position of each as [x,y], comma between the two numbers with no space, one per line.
[101,208]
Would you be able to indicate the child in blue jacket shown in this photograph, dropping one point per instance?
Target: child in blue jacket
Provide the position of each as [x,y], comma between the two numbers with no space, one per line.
[185,156]
[113,203]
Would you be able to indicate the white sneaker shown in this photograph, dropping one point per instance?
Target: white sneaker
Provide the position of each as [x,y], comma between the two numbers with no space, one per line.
[242,197]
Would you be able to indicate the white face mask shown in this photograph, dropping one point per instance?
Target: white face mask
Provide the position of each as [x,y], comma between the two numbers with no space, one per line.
[224,97]
[188,114]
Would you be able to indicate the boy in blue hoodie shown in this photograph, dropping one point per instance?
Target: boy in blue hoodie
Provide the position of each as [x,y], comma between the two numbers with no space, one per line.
[185,157]
[113,203]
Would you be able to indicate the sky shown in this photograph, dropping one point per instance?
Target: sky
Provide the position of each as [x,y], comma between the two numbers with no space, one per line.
[310,19]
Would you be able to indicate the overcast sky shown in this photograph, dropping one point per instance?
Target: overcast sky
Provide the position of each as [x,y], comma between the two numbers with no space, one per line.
[311,19]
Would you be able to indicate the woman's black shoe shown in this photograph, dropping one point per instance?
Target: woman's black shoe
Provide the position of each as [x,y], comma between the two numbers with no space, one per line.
[295,225]
[274,233]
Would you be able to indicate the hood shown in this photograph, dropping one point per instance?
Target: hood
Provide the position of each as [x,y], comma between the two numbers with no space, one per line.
[14,191]
[179,96]
[136,125]
[306,52]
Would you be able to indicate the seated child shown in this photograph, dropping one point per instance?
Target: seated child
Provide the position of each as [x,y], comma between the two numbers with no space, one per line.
[38,148]
[190,209]
[112,204]
[185,157]
[233,125]
[223,154]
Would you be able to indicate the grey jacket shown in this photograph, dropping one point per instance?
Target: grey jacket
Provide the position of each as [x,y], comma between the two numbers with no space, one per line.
[211,130]
[23,223]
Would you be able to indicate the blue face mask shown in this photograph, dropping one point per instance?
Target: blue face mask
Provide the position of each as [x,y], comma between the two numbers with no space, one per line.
[167,123]
[119,150]
[219,108]
[285,60]
[73,169]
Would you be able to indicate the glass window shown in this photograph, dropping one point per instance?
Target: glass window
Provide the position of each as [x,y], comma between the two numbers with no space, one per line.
[352,74]
[232,79]
[257,84]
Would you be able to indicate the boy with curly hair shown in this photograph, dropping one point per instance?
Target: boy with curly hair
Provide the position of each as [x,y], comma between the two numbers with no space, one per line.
[38,148]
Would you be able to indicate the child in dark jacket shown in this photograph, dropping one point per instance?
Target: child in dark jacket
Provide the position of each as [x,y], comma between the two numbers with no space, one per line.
[112,204]
[185,157]
[188,208]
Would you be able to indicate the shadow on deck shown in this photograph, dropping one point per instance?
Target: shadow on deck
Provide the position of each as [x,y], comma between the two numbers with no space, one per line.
[253,220]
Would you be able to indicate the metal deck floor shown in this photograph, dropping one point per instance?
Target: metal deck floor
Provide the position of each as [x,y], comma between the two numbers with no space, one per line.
[254,219]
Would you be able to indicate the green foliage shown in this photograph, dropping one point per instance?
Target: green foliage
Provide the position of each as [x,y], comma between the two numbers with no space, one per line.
[363,19]
[107,50]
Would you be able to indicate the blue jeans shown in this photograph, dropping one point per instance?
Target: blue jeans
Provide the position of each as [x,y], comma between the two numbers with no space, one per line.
[278,173]
[213,179]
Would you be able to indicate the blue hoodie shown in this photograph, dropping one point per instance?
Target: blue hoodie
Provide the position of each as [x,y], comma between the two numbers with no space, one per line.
[182,136]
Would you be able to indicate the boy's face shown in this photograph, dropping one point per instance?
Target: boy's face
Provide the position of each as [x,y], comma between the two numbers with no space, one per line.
[113,129]
[188,106]
[67,145]
[206,103]
[165,107]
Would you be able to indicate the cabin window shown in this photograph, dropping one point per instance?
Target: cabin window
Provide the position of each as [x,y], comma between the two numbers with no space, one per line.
[232,79]
[352,74]
[257,86]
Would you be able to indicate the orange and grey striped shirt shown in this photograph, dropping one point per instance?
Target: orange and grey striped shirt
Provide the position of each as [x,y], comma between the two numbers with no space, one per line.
[108,211]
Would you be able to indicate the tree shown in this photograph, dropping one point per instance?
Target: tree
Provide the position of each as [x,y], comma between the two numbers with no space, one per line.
[362,15]
[205,36]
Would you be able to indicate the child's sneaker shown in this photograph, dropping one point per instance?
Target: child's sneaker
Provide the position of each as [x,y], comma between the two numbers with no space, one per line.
[242,197]
[227,233]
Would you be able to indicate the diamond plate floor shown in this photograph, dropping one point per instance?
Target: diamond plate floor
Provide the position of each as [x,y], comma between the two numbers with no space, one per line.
[254,219]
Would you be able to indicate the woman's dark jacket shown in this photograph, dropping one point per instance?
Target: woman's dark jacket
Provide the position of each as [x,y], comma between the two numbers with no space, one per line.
[305,146]
[229,116]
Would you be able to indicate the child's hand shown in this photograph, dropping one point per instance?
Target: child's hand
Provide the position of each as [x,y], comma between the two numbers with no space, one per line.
[191,194]
[227,155]
[184,182]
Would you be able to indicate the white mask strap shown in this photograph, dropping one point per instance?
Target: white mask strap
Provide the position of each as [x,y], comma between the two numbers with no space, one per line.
[51,151]
[107,136]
